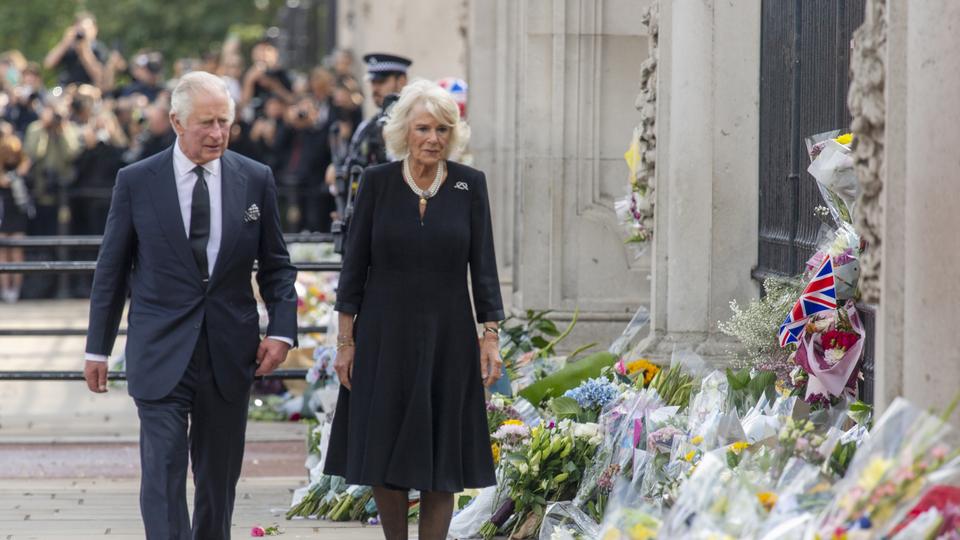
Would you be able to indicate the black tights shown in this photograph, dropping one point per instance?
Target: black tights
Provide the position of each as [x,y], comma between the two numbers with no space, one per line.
[436,509]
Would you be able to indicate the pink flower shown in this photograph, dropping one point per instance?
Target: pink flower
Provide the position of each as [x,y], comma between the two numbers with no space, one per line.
[258,531]
[905,474]
[802,444]
[939,452]
[620,367]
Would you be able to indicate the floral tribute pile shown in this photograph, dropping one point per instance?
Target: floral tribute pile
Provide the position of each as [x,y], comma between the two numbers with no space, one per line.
[611,445]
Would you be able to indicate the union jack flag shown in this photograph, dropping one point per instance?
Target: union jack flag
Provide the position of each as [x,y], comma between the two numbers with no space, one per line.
[819,295]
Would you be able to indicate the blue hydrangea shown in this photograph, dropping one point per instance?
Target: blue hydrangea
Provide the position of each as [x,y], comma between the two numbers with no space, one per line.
[593,393]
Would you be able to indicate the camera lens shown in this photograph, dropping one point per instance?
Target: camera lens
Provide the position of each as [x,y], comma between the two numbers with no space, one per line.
[80,34]
[302,115]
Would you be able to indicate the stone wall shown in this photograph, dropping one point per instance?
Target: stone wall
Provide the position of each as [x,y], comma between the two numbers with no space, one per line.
[553,85]
[433,33]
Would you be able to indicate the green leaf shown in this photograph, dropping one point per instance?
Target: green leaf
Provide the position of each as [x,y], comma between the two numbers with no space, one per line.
[569,377]
[547,327]
[760,384]
[539,342]
[565,407]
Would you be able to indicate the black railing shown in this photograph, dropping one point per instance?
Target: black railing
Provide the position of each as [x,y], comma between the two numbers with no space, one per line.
[67,267]
[804,81]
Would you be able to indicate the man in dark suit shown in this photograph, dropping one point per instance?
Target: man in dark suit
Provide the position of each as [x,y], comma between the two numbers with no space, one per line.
[184,229]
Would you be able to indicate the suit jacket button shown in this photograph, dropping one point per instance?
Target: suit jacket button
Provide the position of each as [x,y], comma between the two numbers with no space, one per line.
[196,326]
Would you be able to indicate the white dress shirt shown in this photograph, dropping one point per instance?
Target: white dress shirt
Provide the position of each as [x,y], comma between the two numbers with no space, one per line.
[186,180]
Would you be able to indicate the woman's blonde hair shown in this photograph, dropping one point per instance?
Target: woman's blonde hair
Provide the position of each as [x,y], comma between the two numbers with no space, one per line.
[439,103]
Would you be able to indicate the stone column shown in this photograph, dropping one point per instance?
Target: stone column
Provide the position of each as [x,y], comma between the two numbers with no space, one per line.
[920,297]
[707,175]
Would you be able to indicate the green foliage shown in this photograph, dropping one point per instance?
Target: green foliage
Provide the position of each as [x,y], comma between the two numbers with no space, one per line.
[569,377]
[757,325]
[861,413]
[518,336]
[746,388]
[177,28]
[674,385]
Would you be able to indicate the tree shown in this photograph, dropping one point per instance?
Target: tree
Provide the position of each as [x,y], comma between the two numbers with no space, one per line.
[177,28]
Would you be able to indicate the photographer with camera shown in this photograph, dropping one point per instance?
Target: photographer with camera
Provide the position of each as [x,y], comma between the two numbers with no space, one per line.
[302,156]
[265,78]
[78,55]
[52,143]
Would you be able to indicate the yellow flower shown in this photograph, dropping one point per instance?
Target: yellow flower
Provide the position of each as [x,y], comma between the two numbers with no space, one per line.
[512,422]
[495,449]
[767,499]
[642,532]
[739,446]
[845,139]
[642,364]
[612,534]
[696,440]
[873,473]
[690,455]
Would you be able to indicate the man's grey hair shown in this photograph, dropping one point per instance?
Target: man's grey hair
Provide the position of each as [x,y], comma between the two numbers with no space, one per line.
[193,83]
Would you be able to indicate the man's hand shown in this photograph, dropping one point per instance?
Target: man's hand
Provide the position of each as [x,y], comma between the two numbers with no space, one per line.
[96,375]
[270,354]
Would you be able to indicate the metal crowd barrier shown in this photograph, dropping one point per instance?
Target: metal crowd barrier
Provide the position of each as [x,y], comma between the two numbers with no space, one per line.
[62,267]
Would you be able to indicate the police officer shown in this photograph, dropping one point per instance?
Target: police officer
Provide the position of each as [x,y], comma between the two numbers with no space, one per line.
[387,74]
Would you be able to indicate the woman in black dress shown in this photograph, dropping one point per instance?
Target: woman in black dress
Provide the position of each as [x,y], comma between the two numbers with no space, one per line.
[15,206]
[411,409]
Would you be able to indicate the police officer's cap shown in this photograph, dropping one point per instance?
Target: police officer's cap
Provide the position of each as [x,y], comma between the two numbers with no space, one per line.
[382,65]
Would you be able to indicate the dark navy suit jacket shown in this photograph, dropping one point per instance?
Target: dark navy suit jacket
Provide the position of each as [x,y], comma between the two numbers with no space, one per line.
[145,250]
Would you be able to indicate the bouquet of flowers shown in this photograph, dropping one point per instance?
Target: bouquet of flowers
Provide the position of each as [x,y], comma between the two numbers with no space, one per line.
[889,471]
[828,355]
[635,211]
[640,371]
[831,164]
[546,467]
[499,410]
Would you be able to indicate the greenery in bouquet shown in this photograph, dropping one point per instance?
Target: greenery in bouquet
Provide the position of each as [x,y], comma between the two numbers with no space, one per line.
[546,466]
[756,326]
[674,385]
[746,386]
[532,333]
[569,377]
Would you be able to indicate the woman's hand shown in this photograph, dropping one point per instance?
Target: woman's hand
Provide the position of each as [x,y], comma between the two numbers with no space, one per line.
[343,365]
[490,363]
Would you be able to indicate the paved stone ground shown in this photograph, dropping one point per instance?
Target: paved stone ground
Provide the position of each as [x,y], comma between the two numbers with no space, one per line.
[69,459]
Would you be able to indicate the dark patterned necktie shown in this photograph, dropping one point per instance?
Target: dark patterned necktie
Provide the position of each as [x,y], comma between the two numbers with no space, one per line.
[200,222]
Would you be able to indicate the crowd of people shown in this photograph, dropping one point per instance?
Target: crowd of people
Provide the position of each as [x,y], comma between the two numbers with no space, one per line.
[61,146]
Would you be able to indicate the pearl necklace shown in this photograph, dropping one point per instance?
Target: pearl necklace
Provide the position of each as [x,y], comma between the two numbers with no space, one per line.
[424,194]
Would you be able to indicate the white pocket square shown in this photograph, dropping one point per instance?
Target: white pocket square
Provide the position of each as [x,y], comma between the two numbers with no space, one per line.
[252,214]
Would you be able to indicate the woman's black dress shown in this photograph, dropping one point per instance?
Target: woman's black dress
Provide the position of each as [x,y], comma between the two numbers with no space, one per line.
[416,416]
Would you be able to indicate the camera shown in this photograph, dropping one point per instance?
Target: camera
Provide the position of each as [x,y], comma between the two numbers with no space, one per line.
[80,35]
[302,114]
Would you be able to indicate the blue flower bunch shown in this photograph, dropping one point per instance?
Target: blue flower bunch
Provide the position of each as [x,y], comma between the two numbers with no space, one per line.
[593,393]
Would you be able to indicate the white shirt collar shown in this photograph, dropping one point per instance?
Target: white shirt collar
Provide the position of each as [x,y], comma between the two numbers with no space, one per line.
[182,165]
